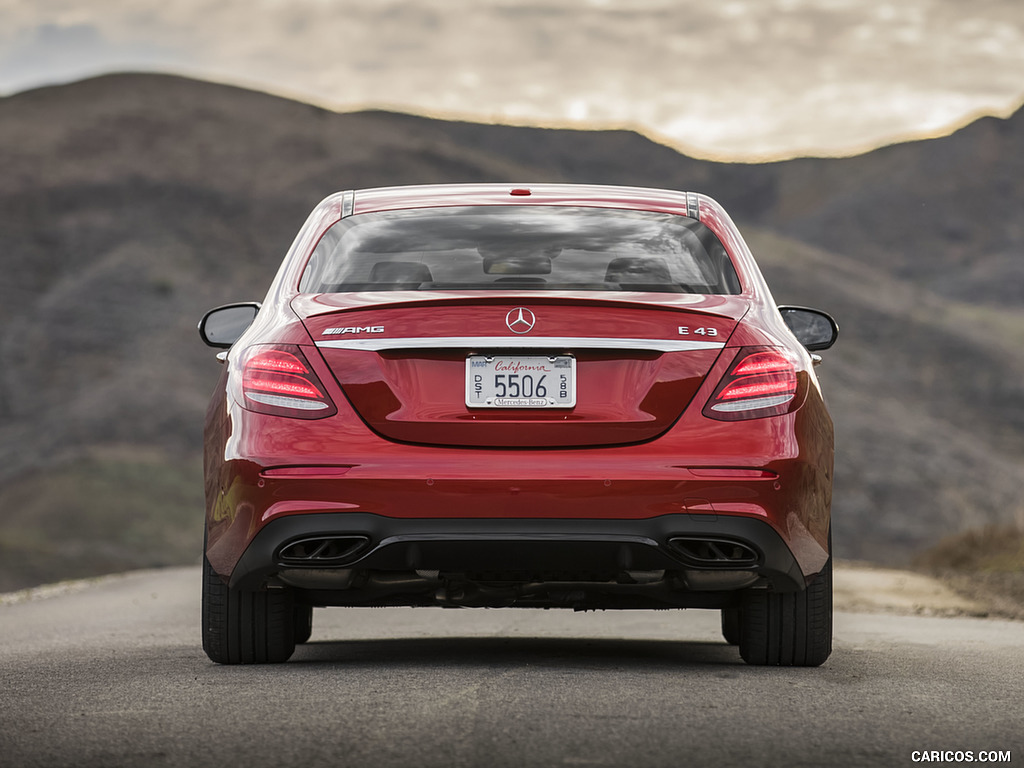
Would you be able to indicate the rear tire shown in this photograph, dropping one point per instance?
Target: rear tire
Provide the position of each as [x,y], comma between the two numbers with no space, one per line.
[790,629]
[303,623]
[731,625]
[242,627]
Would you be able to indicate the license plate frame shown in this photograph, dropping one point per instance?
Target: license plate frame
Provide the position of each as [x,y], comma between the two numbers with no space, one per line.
[525,376]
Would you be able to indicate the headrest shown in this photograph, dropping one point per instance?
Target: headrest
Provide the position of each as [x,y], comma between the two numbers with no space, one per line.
[632,269]
[400,272]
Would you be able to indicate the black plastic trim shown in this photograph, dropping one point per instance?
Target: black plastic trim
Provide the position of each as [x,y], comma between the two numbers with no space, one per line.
[458,544]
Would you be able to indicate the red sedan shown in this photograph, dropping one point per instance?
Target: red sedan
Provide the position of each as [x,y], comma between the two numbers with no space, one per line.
[554,396]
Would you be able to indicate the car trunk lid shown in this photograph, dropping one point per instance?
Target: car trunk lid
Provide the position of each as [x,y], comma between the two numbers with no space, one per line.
[407,367]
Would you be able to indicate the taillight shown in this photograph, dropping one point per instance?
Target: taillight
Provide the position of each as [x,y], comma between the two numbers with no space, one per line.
[761,382]
[277,379]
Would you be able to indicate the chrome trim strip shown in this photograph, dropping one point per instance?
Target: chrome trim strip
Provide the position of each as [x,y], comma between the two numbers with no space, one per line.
[520,342]
[348,203]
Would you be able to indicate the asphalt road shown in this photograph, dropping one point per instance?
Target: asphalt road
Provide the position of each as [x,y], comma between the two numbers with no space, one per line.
[111,674]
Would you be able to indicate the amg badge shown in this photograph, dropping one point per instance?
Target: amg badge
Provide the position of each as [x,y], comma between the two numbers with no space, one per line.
[354,329]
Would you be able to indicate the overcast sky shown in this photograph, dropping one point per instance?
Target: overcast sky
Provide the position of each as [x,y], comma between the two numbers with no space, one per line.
[741,79]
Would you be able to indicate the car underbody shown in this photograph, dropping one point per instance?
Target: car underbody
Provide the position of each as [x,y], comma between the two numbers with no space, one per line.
[669,561]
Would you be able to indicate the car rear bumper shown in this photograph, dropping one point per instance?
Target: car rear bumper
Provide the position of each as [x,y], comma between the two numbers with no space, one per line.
[709,555]
[483,515]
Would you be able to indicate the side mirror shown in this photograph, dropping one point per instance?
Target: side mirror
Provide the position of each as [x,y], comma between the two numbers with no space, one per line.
[222,326]
[812,327]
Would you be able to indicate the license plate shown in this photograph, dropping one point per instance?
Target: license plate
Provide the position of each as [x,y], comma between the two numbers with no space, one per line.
[520,381]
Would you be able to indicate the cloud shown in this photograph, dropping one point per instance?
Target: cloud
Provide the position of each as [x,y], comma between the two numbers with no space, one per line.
[54,52]
[741,79]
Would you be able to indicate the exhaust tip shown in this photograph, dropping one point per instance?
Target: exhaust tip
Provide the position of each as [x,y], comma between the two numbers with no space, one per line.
[701,552]
[321,550]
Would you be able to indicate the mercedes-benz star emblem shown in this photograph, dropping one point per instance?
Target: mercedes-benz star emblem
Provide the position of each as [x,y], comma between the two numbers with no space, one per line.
[520,320]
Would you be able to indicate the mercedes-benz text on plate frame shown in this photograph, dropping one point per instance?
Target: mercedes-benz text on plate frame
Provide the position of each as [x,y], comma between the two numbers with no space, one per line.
[520,381]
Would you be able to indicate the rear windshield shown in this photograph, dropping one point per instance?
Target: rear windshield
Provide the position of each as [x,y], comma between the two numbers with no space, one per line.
[524,247]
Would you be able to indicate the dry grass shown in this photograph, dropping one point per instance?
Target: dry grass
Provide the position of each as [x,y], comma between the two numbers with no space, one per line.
[985,565]
[100,515]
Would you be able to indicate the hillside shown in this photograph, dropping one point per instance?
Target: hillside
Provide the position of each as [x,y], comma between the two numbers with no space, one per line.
[130,204]
[943,213]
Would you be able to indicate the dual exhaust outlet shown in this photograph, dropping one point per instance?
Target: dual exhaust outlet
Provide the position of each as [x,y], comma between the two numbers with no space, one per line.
[695,552]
